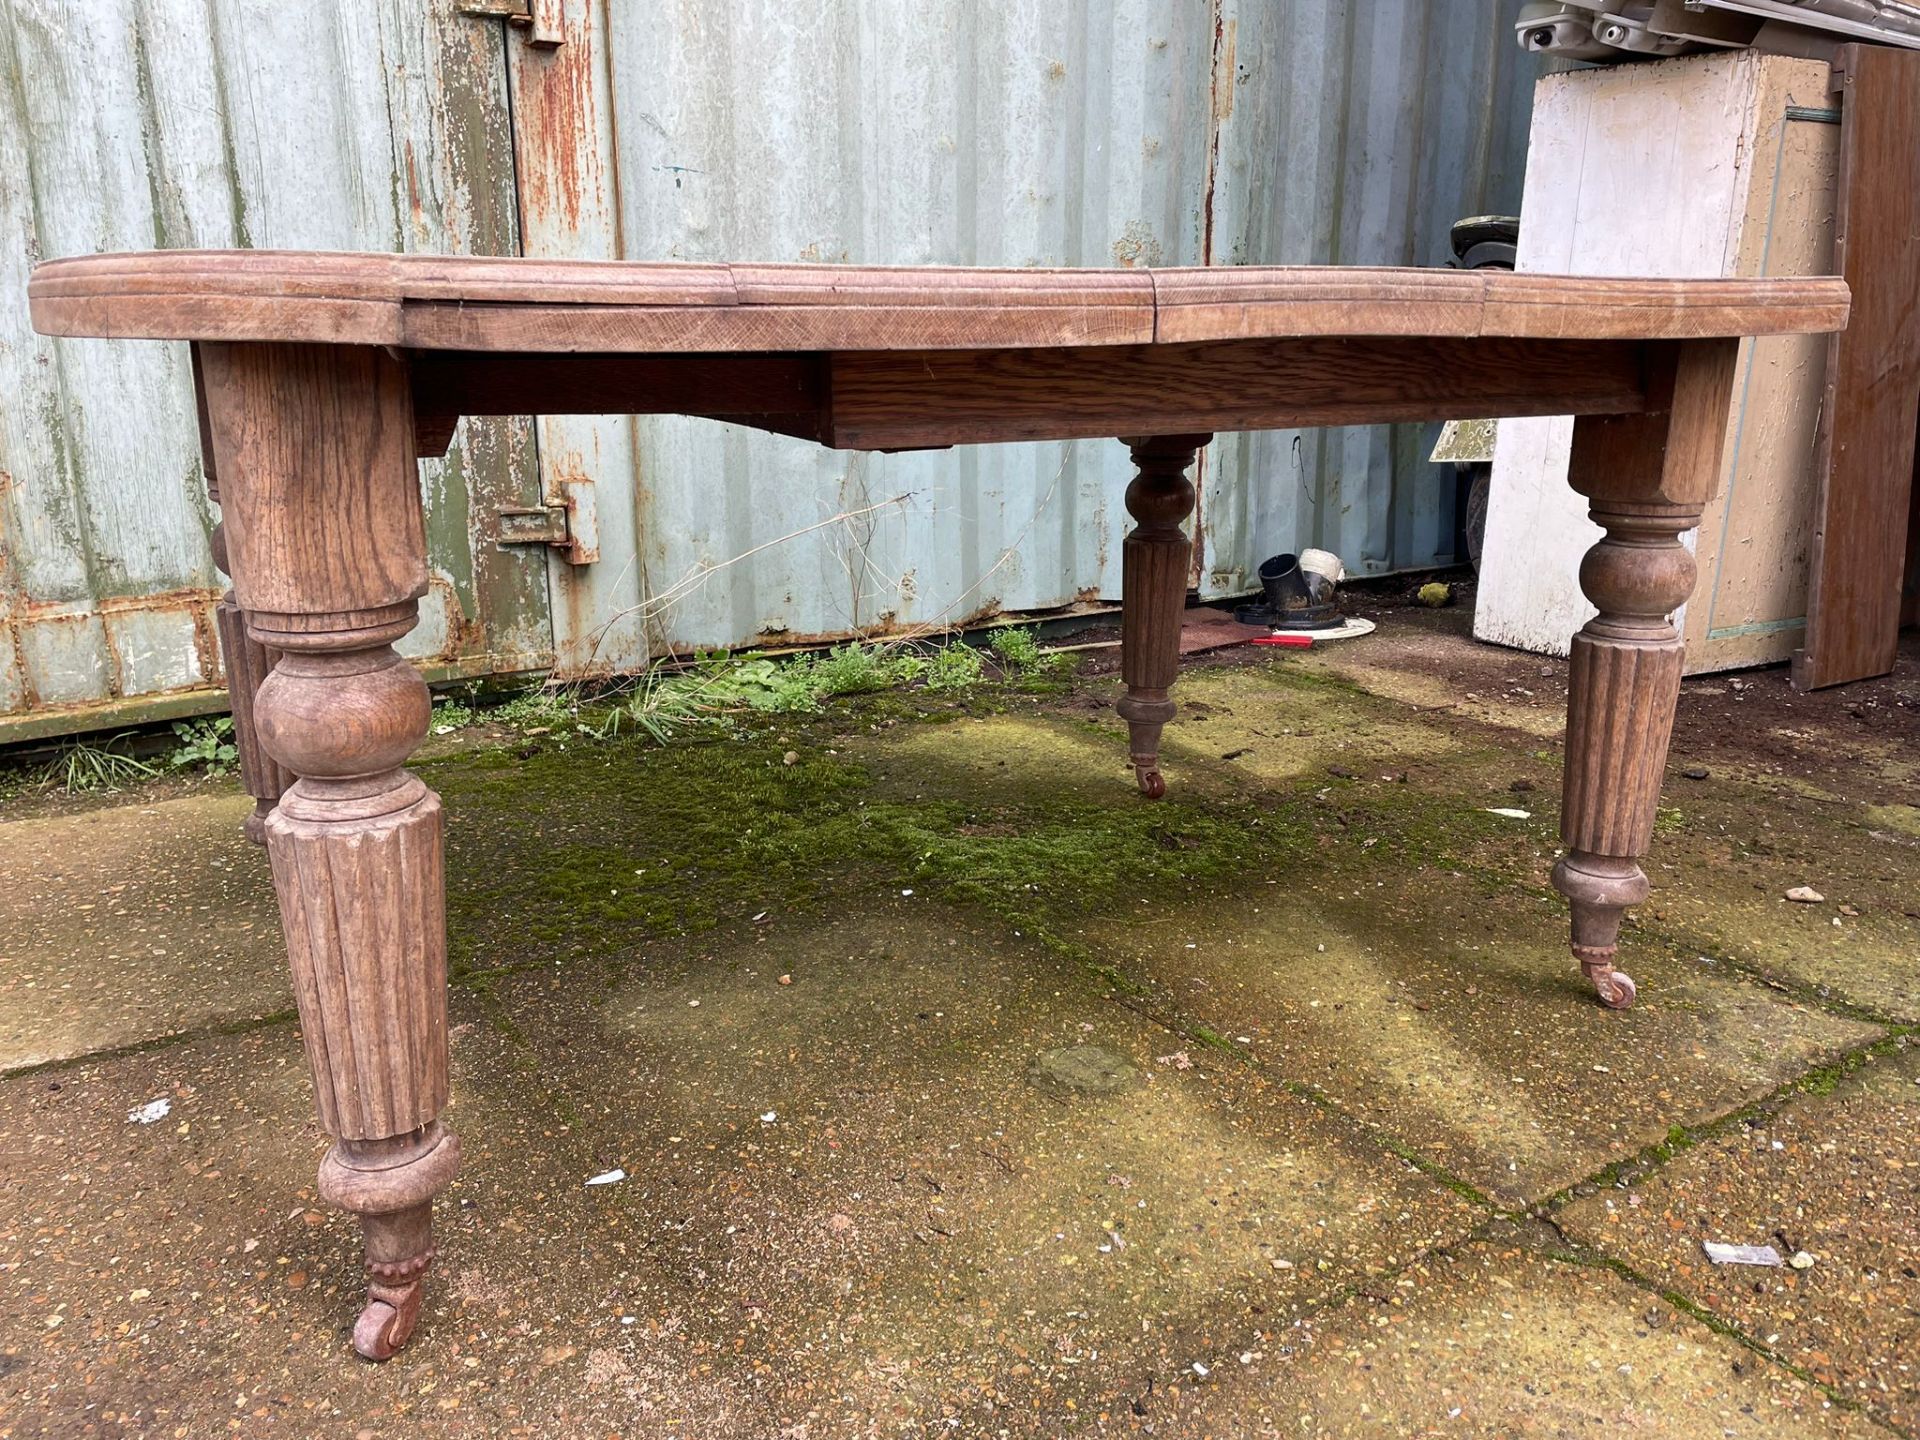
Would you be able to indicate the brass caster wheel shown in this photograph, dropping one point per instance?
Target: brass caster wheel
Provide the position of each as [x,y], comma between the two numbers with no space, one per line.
[1616,989]
[383,1327]
[1153,784]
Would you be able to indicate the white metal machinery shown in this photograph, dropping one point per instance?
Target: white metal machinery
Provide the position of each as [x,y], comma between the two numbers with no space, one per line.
[1596,30]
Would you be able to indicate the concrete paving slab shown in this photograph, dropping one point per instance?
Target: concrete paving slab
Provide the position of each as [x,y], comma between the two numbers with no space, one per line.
[1001,756]
[1732,851]
[897,1209]
[1418,661]
[123,924]
[1283,721]
[183,1278]
[1447,1010]
[993,1196]
[1498,1341]
[1833,1174]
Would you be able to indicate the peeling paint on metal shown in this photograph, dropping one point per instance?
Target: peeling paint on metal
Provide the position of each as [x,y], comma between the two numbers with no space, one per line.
[1009,132]
[224,124]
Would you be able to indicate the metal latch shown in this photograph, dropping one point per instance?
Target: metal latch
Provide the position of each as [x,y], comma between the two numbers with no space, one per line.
[543,20]
[532,525]
[570,526]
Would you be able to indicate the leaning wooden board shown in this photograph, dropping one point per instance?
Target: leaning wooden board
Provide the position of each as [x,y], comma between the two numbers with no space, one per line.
[323,378]
[1864,455]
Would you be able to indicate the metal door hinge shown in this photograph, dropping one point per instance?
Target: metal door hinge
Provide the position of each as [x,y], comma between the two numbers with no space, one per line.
[569,526]
[543,20]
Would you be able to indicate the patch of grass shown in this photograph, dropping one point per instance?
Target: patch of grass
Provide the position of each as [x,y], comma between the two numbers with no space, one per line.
[204,744]
[534,708]
[719,689]
[856,669]
[83,768]
[712,690]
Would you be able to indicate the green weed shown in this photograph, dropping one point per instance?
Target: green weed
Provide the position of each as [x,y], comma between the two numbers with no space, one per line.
[954,666]
[203,744]
[1017,649]
[856,669]
[536,708]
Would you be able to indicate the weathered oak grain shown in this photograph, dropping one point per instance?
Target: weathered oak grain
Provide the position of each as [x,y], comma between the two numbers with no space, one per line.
[322,377]
[316,530]
[493,303]
[895,399]
[1648,477]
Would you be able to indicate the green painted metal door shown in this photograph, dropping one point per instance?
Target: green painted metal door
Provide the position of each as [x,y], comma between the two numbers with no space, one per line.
[131,124]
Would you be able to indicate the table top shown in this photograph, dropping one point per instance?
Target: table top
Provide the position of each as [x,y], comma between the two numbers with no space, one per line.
[481,303]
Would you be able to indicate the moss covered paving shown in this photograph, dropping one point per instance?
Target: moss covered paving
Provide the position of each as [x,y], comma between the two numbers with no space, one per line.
[1018,805]
[555,854]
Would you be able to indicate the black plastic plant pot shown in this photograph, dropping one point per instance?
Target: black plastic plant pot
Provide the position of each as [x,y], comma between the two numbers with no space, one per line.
[1295,599]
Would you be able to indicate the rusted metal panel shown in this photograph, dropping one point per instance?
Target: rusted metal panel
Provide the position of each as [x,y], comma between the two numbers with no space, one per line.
[127,124]
[1019,132]
[565,152]
[1014,132]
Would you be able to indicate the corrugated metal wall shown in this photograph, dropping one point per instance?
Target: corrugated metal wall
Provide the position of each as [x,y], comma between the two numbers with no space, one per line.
[1022,132]
[129,124]
[1090,132]
[1358,134]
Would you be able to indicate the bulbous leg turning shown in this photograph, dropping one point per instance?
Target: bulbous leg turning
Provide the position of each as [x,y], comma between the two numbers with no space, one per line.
[1624,682]
[315,445]
[1154,561]
[356,863]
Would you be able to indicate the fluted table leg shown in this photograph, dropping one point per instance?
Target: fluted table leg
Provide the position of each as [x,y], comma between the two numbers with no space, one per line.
[1154,561]
[316,446]
[1648,477]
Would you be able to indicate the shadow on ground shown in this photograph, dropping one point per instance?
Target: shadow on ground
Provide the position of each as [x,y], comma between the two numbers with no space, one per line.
[958,1091]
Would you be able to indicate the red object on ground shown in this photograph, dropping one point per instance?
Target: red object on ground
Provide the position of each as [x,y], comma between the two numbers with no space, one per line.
[1292,642]
[1209,627]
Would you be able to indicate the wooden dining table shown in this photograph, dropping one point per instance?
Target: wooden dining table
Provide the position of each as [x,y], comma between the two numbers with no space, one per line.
[322,379]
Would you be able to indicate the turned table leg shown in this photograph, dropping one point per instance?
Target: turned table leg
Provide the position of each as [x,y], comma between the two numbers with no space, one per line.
[316,447]
[1648,478]
[1153,562]
[245,660]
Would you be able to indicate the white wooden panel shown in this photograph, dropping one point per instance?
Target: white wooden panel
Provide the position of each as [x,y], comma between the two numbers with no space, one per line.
[1681,168]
